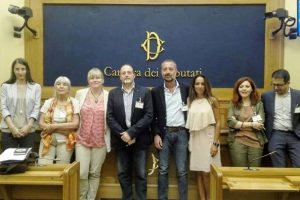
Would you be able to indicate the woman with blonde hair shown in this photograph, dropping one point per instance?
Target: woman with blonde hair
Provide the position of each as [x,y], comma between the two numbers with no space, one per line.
[93,138]
[59,121]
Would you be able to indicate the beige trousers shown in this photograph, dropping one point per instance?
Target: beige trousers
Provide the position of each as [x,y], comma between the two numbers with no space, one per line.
[91,161]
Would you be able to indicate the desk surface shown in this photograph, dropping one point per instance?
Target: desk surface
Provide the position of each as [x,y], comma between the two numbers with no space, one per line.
[261,180]
[260,184]
[38,175]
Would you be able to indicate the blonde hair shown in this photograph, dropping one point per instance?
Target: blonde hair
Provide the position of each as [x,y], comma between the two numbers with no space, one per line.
[95,72]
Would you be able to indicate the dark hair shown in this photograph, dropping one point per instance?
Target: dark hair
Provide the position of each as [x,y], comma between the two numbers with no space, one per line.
[281,73]
[13,78]
[169,60]
[236,97]
[207,92]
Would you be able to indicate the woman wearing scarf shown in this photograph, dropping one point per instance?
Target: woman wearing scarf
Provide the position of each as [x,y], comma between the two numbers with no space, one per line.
[59,121]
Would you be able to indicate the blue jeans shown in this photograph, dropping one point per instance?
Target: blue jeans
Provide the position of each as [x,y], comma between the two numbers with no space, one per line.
[284,143]
[177,144]
[132,161]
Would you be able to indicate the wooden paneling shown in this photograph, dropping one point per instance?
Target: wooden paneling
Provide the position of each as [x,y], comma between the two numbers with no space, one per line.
[42,182]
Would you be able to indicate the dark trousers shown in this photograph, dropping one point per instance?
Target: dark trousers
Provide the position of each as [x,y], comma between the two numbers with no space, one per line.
[8,141]
[132,161]
[284,143]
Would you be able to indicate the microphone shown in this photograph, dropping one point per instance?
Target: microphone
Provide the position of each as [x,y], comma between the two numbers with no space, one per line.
[260,157]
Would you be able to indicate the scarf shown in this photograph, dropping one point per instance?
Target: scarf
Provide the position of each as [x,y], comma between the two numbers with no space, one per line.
[47,137]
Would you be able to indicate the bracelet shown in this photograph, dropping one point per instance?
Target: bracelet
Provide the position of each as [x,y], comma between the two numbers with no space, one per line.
[242,125]
[216,144]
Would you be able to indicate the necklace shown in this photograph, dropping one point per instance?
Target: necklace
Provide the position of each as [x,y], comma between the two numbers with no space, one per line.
[95,96]
[21,99]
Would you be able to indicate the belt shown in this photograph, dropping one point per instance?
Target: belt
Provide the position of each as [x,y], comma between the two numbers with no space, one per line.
[284,131]
[172,129]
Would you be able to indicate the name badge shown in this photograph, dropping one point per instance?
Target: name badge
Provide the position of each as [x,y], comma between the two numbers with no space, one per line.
[139,105]
[297,109]
[184,108]
[256,118]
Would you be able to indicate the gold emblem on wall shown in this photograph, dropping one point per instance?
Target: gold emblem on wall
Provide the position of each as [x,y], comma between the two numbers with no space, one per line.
[152,36]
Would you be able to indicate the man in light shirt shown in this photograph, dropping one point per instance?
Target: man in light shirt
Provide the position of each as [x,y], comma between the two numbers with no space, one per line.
[171,137]
[129,116]
[282,108]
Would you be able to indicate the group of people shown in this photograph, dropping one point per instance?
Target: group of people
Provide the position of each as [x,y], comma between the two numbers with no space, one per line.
[176,117]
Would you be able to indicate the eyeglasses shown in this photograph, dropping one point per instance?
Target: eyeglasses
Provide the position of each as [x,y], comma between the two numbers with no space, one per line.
[278,85]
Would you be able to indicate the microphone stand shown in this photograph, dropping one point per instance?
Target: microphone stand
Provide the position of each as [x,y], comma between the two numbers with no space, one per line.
[260,157]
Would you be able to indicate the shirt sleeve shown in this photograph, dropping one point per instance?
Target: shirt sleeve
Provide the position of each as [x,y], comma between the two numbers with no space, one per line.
[3,99]
[231,119]
[46,106]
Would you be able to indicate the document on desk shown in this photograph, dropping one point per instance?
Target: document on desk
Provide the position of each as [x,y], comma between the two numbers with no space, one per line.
[12,155]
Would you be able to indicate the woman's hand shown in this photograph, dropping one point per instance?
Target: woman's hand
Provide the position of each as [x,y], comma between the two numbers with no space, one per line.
[213,150]
[48,129]
[25,129]
[258,125]
[16,132]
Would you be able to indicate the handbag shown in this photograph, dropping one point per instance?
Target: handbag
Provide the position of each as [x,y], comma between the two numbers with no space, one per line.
[13,168]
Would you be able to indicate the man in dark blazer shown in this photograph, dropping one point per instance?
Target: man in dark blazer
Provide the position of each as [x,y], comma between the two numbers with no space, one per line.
[171,137]
[282,120]
[129,116]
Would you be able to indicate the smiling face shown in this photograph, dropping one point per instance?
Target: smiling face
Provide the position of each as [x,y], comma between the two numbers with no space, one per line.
[20,72]
[245,89]
[199,86]
[127,75]
[62,86]
[95,81]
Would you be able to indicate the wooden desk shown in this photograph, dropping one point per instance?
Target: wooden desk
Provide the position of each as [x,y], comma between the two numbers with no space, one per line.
[261,180]
[59,181]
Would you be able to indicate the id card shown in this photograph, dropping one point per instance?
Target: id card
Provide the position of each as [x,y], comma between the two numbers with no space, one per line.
[297,109]
[184,108]
[139,105]
[256,118]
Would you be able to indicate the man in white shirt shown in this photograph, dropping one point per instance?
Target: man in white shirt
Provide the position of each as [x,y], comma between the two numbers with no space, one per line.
[282,108]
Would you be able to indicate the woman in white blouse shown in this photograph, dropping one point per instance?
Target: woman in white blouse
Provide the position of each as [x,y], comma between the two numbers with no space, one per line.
[203,122]
[59,121]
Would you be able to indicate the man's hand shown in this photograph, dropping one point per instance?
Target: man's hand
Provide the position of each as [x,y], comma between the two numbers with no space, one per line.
[130,142]
[158,142]
[125,137]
